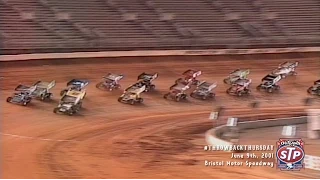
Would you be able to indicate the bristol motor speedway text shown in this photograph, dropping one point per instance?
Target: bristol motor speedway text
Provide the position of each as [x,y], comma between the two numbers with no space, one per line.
[239,163]
[239,148]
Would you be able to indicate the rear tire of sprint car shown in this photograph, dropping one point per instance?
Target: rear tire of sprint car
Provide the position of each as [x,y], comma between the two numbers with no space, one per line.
[226,81]
[132,102]
[43,97]
[228,91]
[294,73]
[140,100]
[178,80]
[195,82]
[310,91]
[63,92]
[259,87]
[55,110]
[120,99]
[99,85]
[9,99]
[184,96]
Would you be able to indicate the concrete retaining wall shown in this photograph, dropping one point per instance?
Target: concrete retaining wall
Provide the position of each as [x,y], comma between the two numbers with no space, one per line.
[213,136]
[211,52]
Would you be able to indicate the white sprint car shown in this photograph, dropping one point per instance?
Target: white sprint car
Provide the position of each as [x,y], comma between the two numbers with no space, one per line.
[286,69]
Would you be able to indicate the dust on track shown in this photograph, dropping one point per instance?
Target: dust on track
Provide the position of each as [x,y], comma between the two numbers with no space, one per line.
[160,139]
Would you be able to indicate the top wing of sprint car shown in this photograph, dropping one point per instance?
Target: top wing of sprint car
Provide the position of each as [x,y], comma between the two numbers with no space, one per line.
[207,86]
[148,77]
[192,73]
[113,77]
[78,82]
[45,85]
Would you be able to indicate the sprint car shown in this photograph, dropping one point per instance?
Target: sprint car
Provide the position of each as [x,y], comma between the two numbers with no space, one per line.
[70,103]
[240,87]
[190,76]
[270,83]
[22,97]
[75,84]
[204,90]
[110,82]
[286,69]
[315,89]
[132,95]
[177,92]
[236,75]
[42,89]
[146,80]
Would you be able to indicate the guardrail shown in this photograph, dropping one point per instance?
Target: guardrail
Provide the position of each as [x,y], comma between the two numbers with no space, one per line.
[23,57]
[213,136]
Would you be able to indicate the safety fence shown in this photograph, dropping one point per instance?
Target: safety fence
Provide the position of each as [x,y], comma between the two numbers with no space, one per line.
[23,57]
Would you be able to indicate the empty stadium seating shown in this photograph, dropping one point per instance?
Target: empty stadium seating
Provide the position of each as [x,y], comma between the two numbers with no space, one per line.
[56,25]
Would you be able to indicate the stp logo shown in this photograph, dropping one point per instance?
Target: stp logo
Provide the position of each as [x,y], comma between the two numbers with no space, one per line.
[290,154]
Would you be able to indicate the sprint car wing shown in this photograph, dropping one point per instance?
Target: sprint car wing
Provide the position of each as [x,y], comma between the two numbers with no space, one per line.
[192,73]
[21,87]
[134,86]
[45,85]
[78,95]
[136,89]
[243,82]
[68,99]
[235,71]
[75,93]
[207,86]
[180,87]
[240,72]
[149,77]
[78,82]
[272,78]
[288,64]
[113,77]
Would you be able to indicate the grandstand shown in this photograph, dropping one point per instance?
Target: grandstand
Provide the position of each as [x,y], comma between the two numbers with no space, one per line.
[91,25]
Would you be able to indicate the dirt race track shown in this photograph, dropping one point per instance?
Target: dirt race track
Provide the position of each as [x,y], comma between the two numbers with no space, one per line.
[159,139]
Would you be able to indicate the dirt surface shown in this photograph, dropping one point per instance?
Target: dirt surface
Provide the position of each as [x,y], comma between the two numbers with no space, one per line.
[158,139]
